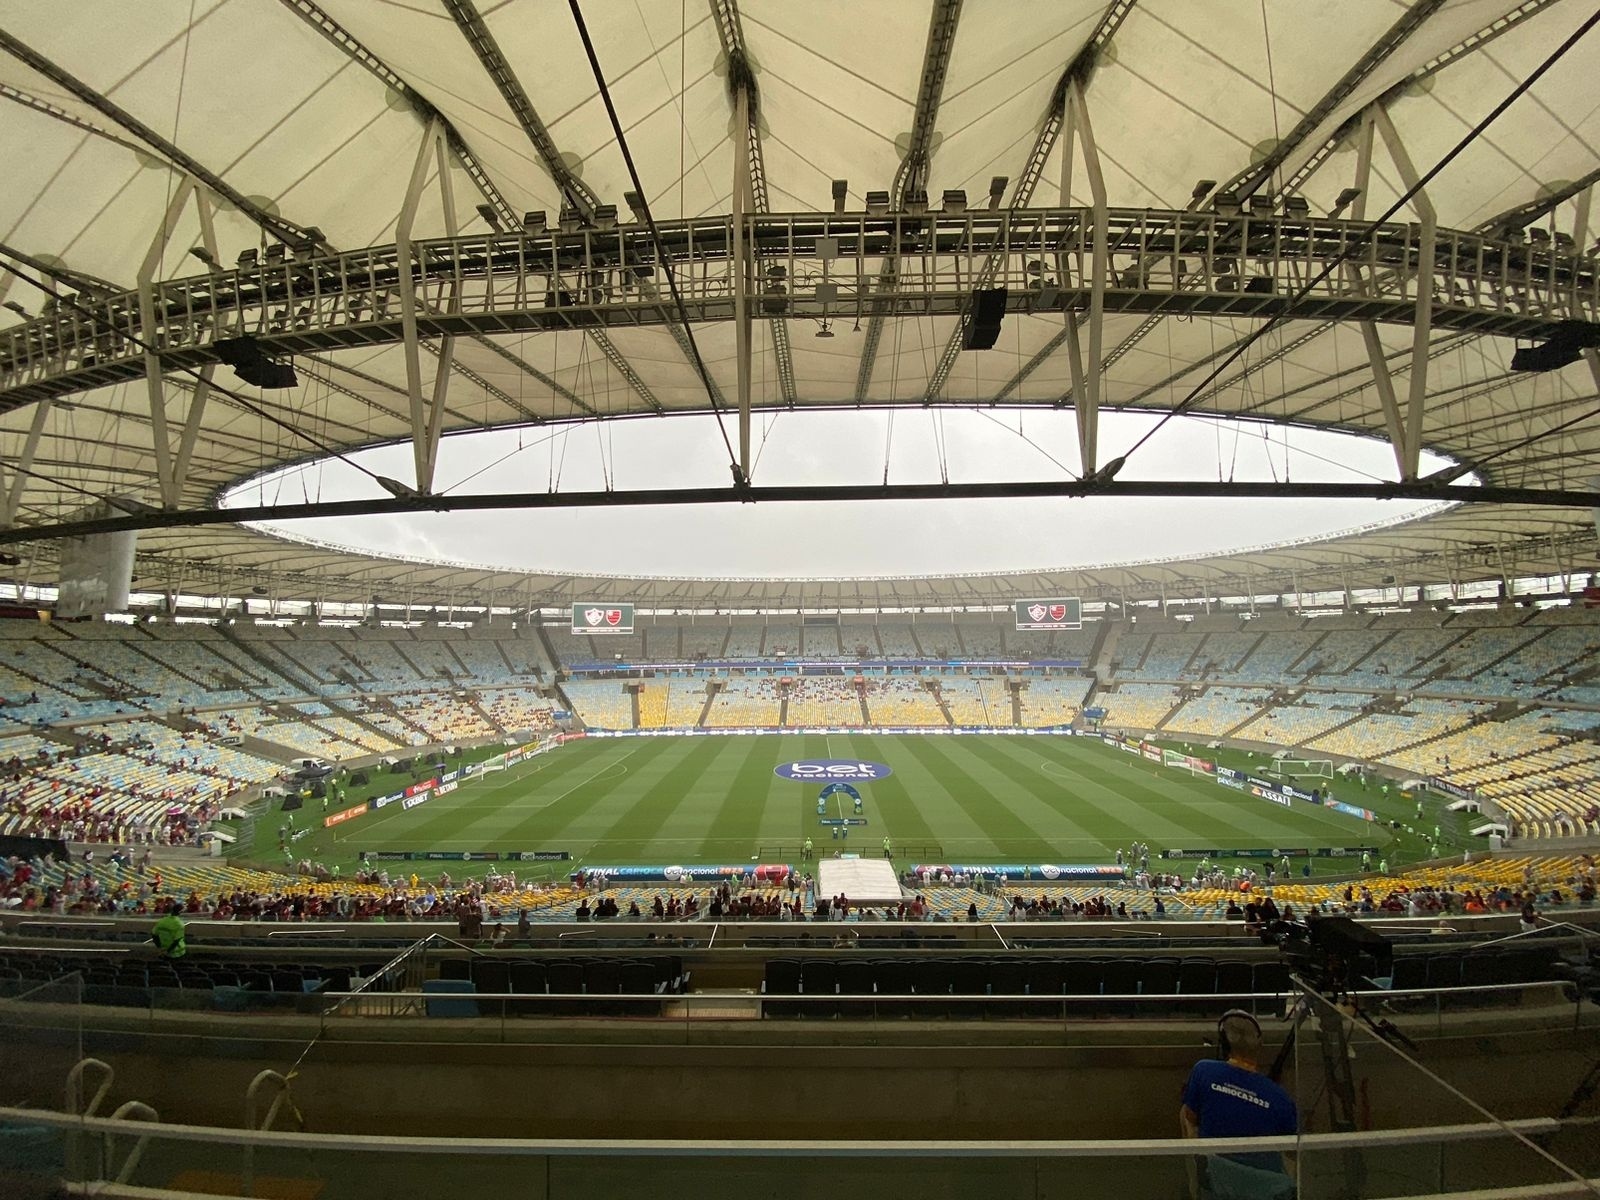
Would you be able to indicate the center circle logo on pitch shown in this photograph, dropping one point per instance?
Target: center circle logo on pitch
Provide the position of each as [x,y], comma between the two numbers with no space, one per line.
[831,770]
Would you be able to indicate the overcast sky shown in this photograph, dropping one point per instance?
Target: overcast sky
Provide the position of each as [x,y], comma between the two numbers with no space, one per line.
[844,540]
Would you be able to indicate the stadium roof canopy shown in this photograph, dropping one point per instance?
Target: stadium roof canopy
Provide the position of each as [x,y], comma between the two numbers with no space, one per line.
[1174,174]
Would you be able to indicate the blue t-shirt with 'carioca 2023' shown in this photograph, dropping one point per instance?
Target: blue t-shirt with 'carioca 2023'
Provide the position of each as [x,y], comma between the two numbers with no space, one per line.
[1231,1101]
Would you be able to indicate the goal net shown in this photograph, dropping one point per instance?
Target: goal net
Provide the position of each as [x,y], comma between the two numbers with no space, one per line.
[1184,762]
[1304,768]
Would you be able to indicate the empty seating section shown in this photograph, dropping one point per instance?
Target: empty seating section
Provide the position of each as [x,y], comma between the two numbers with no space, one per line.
[1053,701]
[822,641]
[1165,658]
[1138,705]
[1334,656]
[486,663]
[976,701]
[1379,734]
[1474,663]
[828,700]
[1220,654]
[781,641]
[113,656]
[588,649]
[1065,644]
[321,660]
[986,640]
[201,651]
[938,640]
[902,700]
[376,711]
[1297,723]
[434,659]
[744,641]
[659,643]
[703,641]
[384,662]
[1217,711]
[748,702]
[654,699]
[860,640]
[291,732]
[1542,658]
[1480,752]
[196,751]
[600,702]
[516,709]
[898,641]
[1273,657]
[352,733]
[446,718]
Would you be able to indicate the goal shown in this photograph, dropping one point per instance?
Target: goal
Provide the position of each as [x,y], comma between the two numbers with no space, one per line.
[1303,768]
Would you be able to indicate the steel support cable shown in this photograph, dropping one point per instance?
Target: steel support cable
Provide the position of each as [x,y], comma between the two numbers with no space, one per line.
[1334,263]
[68,300]
[655,237]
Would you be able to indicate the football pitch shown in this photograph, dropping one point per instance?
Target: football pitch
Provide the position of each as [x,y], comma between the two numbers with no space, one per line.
[954,799]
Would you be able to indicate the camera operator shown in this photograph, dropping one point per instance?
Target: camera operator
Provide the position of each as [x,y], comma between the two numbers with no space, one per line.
[1231,1097]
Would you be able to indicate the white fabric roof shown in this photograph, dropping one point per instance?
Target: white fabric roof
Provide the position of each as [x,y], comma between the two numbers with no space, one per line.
[260,96]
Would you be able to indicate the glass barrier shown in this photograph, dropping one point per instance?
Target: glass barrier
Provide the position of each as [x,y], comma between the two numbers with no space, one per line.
[1350,1066]
[41,1027]
[226,1162]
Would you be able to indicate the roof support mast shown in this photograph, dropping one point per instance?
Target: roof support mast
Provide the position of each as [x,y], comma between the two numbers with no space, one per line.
[1405,428]
[427,418]
[172,470]
[750,165]
[742,285]
[1086,383]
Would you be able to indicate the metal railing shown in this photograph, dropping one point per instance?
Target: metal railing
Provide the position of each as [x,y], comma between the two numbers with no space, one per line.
[348,1163]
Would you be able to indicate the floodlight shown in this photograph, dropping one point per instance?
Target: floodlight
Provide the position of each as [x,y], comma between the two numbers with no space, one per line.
[1226,204]
[490,217]
[997,189]
[1202,189]
[605,216]
[1344,200]
[248,259]
[19,310]
[1260,206]
[535,222]
[570,219]
[916,201]
[841,190]
[877,203]
[954,201]
[203,255]
[635,203]
[1296,206]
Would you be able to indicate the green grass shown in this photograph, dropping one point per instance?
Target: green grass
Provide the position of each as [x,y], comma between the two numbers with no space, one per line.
[716,800]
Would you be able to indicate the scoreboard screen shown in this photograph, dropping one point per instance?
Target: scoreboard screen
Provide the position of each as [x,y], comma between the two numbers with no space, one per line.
[1050,614]
[602,617]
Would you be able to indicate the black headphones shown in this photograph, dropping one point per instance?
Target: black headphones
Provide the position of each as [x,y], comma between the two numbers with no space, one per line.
[1223,1045]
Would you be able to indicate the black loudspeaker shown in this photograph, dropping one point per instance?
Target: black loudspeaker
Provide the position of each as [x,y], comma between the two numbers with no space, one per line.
[988,310]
